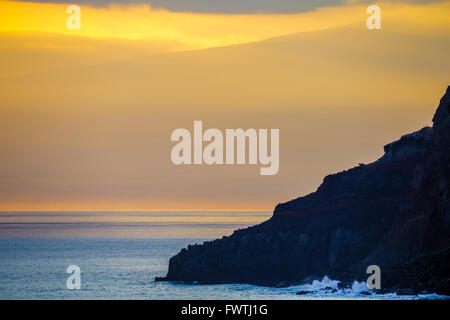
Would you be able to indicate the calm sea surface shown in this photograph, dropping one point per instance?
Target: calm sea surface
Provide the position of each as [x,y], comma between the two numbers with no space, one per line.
[120,254]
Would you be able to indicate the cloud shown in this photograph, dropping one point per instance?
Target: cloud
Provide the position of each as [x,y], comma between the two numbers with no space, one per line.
[229,6]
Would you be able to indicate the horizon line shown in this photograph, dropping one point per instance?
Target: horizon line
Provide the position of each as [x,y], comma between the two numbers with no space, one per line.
[135,210]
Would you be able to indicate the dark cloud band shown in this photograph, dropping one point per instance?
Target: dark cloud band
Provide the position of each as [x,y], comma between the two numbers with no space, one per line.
[226,6]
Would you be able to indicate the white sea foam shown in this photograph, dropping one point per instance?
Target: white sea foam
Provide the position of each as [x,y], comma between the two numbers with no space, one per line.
[327,288]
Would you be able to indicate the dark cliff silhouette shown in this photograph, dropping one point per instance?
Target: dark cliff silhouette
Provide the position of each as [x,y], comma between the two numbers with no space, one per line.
[394,212]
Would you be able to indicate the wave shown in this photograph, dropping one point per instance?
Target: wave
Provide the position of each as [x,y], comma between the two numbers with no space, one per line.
[329,288]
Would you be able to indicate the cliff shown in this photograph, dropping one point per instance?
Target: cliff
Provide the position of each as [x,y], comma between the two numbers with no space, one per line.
[394,212]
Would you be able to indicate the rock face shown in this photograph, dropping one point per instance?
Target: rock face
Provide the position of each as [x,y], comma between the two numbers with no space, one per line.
[394,212]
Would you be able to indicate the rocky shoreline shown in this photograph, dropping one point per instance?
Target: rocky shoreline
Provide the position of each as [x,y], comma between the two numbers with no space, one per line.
[394,213]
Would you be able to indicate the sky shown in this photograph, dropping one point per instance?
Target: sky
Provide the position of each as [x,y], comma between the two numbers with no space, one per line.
[86,115]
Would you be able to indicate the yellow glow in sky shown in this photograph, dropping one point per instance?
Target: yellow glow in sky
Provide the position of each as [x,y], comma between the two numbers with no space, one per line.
[86,115]
[198,30]
[142,22]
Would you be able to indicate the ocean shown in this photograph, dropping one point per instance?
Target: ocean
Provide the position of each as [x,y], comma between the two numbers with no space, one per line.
[119,255]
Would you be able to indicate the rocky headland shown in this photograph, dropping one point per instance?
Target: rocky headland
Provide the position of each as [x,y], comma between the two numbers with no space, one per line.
[394,213]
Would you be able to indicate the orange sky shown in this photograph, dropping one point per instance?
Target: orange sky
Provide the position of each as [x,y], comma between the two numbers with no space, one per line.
[86,115]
